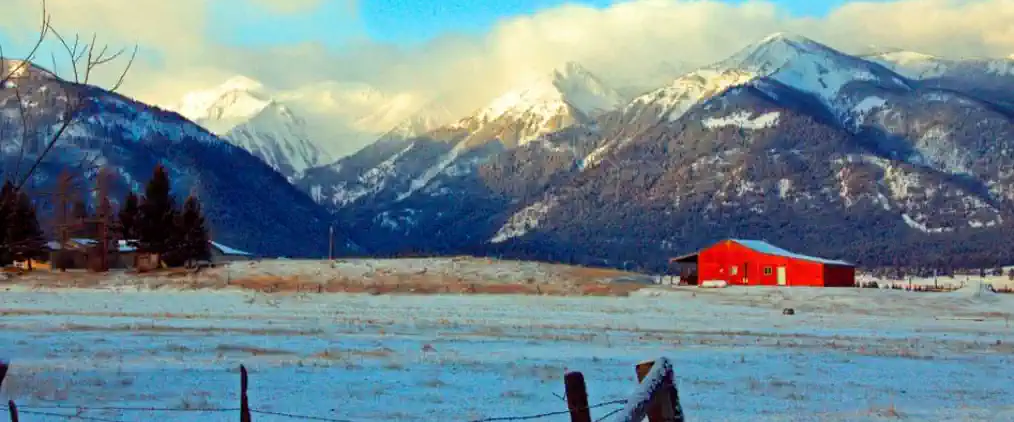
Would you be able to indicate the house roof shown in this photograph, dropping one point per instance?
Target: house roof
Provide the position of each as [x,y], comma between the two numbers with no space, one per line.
[122,245]
[769,249]
[766,248]
[227,250]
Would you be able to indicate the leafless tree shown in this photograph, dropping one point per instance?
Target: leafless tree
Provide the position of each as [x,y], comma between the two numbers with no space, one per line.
[85,57]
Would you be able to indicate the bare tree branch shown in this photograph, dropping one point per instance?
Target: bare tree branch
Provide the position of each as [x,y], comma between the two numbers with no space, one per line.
[84,59]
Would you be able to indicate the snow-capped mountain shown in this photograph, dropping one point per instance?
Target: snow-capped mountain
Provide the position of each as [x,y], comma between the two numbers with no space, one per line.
[398,168]
[567,96]
[991,79]
[812,68]
[787,140]
[242,111]
[247,204]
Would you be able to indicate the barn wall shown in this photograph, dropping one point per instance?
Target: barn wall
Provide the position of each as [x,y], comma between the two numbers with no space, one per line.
[717,262]
[839,276]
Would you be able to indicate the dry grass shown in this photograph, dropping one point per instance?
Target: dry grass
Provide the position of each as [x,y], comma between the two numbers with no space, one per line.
[453,276]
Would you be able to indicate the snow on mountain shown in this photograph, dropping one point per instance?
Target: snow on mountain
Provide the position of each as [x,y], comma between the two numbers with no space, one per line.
[247,204]
[671,101]
[571,87]
[223,107]
[811,67]
[415,157]
[924,66]
[280,139]
[243,112]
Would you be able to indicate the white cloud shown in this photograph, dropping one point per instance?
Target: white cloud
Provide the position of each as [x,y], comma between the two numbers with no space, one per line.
[618,42]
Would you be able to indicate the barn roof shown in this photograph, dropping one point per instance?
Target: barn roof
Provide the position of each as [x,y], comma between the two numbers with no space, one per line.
[122,245]
[227,250]
[769,249]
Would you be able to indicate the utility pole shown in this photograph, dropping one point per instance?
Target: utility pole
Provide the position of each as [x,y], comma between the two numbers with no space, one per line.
[330,242]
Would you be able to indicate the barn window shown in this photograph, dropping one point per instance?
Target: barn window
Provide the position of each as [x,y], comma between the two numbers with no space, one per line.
[734,270]
[768,271]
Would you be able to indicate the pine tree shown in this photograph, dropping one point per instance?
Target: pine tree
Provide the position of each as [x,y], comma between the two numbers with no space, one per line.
[156,225]
[194,242]
[129,218]
[23,230]
[7,201]
[80,219]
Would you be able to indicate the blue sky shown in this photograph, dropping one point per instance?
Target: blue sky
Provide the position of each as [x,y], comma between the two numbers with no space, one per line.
[405,22]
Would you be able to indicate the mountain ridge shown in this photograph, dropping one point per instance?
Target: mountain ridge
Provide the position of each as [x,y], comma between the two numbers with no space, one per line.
[742,147]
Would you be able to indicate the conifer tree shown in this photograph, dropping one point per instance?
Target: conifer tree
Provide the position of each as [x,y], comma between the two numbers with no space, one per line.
[23,231]
[156,225]
[194,234]
[7,201]
[80,217]
[128,218]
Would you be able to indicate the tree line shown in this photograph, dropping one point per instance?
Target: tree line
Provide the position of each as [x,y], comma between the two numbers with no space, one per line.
[151,224]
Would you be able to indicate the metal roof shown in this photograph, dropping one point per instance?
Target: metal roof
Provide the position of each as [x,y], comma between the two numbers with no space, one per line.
[766,248]
[769,249]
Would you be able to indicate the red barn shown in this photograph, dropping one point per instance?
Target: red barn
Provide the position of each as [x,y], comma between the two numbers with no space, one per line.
[758,263]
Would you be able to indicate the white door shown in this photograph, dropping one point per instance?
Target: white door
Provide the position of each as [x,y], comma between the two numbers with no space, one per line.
[781,276]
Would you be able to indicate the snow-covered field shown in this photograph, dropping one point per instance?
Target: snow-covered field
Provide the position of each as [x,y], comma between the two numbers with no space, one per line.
[847,354]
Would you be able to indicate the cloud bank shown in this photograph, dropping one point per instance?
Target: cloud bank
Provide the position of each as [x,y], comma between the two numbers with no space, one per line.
[620,42]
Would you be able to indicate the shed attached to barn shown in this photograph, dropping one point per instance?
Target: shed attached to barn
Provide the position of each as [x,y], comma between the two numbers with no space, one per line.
[758,263]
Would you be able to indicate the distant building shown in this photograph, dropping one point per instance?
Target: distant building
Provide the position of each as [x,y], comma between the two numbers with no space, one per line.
[758,263]
[82,253]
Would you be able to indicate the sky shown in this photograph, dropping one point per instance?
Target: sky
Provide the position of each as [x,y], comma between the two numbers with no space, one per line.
[465,52]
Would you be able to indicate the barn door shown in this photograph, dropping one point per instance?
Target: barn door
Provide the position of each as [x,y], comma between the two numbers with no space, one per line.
[781,276]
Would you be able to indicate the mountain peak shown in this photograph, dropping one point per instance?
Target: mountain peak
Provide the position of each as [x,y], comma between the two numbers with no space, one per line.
[809,66]
[783,44]
[241,83]
[221,108]
[569,85]
[786,37]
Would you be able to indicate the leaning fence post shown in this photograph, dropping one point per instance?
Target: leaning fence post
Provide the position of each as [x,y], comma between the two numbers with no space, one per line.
[577,397]
[244,405]
[13,409]
[665,405]
[4,365]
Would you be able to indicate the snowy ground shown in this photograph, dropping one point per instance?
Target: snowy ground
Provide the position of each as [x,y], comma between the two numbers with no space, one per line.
[847,354]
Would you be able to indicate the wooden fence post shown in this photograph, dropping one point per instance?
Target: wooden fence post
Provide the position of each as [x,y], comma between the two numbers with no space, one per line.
[665,406]
[13,409]
[244,405]
[4,365]
[577,397]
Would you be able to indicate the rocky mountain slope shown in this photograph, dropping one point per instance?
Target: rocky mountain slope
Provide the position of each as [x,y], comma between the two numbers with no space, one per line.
[787,140]
[249,206]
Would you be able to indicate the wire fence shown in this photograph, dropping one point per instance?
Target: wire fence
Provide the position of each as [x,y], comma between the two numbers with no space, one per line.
[79,412]
[646,395]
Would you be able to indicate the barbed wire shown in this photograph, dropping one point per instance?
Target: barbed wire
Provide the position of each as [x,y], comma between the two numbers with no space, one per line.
[129,409]
[607,415]
[66,416]
[547,414]
[295,416]
[44,411]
